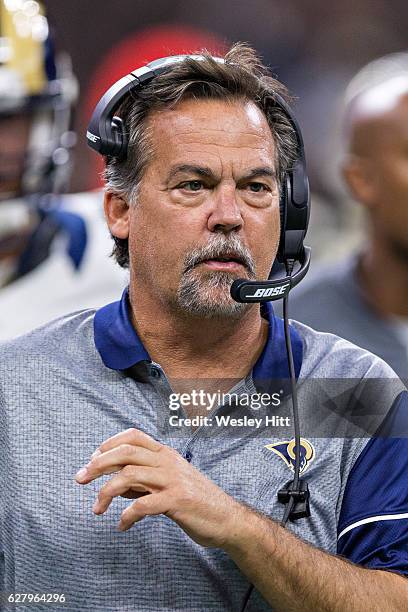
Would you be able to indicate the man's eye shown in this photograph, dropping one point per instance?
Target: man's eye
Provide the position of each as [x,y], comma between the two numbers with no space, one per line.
[191,185]
[258,187]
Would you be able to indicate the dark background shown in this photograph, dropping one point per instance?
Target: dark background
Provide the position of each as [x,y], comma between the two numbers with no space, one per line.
[314,46]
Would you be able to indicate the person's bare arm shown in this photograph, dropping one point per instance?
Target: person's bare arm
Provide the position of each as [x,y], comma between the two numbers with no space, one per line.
[290,574]
[293,575]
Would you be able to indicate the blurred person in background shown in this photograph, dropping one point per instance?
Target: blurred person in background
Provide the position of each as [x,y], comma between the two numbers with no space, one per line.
[51,245]
[364,298]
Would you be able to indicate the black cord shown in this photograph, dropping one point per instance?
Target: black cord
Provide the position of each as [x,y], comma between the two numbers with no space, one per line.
[246,598]
[289,264]
[296,425]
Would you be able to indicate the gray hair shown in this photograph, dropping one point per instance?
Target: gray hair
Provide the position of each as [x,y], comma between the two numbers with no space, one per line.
[243,76]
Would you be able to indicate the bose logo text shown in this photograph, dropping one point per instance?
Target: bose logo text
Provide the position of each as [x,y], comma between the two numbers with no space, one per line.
[92,137]
[269,291]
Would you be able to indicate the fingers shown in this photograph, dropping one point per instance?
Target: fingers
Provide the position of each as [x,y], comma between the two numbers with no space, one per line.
[136,457]
[143,479]
[130,436]
[113,461]
[156,503]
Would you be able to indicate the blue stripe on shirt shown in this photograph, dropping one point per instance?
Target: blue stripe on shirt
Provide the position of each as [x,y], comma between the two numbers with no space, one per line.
[377,487]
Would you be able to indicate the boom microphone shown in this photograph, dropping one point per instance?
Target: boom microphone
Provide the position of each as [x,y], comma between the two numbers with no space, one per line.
[243,290]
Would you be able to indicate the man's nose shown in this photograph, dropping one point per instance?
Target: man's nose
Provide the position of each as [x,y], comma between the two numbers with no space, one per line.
[225,214]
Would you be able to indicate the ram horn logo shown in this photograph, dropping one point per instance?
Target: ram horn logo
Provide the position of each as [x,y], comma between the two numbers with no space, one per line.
[286,450]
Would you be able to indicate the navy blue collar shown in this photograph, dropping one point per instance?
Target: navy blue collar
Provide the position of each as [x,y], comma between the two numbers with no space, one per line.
[115,337]
[121,348]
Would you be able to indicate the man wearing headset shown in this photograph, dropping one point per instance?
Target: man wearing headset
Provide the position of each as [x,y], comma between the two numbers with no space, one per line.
[193,205]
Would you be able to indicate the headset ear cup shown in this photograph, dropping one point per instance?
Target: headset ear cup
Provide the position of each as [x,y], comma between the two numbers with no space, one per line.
[283,209]
[119,137]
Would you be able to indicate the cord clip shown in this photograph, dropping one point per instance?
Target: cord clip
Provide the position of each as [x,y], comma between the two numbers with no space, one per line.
[301,496]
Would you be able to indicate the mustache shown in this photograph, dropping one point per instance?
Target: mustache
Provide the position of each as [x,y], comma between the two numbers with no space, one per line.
[221,247]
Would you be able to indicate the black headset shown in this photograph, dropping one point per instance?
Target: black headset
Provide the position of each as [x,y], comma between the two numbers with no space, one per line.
[106,134]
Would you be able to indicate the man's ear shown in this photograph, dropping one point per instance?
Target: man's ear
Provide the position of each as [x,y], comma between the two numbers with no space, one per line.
[116,214]
[358,175]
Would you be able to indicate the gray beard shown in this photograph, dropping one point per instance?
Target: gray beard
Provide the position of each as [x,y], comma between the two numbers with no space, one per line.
[207,295]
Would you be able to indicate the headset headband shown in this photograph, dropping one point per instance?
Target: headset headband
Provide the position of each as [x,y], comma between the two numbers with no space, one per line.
[99,133]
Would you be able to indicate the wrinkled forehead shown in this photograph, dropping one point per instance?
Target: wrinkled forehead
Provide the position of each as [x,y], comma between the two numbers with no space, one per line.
[235,129]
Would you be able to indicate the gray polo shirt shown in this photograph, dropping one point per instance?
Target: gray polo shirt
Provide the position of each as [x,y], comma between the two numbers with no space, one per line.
[68,386]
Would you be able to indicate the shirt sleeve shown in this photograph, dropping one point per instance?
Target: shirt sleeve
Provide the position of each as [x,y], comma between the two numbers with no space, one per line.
[2,498]
[373,523]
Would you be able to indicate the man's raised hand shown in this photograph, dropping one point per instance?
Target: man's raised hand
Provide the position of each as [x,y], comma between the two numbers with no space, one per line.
[163,483]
